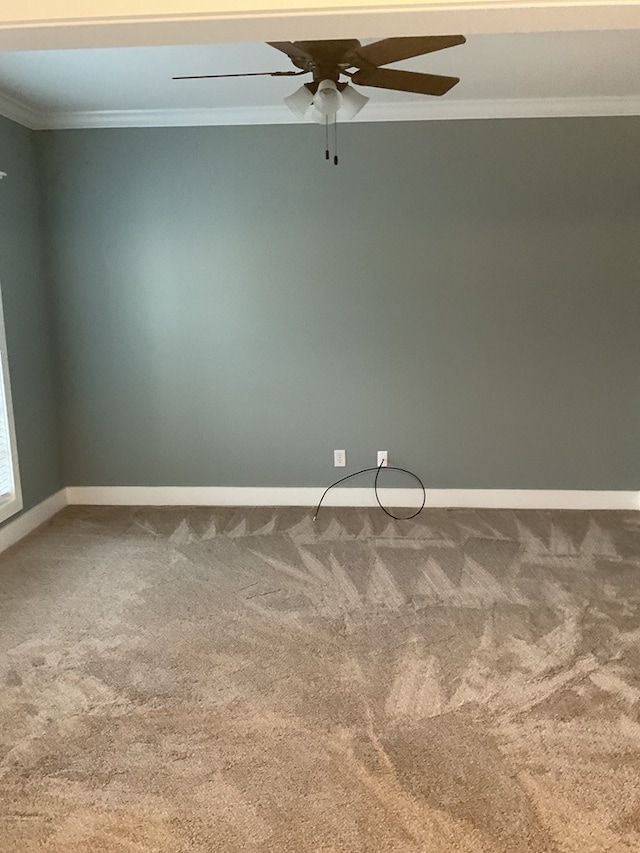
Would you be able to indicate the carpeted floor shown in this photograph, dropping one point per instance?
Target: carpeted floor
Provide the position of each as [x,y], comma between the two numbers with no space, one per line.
[244,680]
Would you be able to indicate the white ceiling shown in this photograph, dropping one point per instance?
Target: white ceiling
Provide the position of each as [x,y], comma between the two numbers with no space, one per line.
[558,73]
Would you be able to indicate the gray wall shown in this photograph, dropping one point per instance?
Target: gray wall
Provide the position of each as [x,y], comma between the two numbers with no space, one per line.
[28,316]
[463,294]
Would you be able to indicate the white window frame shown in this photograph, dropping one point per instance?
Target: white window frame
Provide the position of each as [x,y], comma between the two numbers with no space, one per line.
[10,503]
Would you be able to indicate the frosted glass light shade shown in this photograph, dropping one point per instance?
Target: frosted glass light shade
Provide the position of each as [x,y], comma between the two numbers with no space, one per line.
[328,102]
[327,99]
[300,101]
[352,102]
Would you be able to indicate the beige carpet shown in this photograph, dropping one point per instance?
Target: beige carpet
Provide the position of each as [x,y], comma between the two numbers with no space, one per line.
[244,680]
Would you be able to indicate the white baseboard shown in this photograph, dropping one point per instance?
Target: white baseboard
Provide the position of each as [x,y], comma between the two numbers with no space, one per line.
[291,496]
[26,523]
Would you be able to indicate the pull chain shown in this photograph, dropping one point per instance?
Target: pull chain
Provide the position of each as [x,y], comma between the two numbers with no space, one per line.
[326,137]
[327,153]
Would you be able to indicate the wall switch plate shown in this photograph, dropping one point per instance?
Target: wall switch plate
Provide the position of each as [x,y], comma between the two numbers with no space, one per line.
[383,458]
[339,458]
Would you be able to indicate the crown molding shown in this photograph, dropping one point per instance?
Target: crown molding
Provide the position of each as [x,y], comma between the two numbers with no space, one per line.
[503,108]
[19,112]
[277,114]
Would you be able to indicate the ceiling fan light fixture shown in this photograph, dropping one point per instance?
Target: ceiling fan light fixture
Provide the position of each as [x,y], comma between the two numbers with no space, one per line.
[300,101]
[327,100]
[352,102]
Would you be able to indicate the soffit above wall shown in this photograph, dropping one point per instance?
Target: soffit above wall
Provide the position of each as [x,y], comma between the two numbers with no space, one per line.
[59,24]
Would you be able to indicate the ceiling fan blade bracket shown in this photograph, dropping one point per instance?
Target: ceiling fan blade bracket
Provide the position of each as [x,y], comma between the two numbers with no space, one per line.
[358,60]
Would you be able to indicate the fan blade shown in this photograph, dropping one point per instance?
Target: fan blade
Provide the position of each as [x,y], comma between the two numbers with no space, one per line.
[393,50]
[246,74]
[405,81]
[293,50]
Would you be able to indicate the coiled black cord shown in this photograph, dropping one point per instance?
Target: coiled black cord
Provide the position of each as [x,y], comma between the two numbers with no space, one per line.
[375,489]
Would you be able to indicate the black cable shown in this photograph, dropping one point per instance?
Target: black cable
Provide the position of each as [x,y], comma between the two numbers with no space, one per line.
[375,489]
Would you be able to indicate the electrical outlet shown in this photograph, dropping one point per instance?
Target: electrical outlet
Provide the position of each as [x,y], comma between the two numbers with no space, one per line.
[383,458]
[339,458]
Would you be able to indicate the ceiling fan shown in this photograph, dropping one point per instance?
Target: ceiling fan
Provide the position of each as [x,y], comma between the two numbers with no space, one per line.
[330,60]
